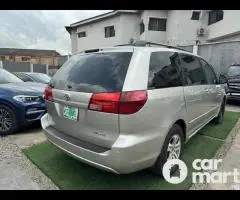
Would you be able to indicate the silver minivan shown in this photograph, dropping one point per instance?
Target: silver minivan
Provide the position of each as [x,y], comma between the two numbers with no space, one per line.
[127,108]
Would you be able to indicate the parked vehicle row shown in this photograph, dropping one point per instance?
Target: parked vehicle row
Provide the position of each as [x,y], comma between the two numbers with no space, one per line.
[21,103]
[234,82]
[33,77]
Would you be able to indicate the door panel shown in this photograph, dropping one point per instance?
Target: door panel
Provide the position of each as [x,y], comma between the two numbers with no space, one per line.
[215,92]
[196,92]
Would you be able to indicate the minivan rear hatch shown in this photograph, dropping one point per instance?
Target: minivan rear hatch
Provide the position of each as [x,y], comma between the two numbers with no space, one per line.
[72,88]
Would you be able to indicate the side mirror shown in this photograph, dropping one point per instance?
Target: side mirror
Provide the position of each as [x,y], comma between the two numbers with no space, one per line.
[223,79]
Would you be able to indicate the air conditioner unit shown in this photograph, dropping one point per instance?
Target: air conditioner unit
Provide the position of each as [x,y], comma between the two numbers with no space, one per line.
[201,31]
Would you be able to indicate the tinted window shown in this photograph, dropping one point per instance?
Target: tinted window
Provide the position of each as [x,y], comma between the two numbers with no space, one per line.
[192,70]
[209,73]
[164,70]
[97,72]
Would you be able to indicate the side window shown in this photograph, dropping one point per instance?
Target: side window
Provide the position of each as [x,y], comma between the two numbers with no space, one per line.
[209,73]
[164,70]
[192,70]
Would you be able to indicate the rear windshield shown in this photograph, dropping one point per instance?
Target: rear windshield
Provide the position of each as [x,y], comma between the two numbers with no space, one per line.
[93,73]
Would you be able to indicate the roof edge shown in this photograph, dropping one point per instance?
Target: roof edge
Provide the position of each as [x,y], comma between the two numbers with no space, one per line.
[99,17]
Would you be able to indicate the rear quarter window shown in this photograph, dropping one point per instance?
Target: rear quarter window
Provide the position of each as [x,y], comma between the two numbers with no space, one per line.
[164,70]
[93,73]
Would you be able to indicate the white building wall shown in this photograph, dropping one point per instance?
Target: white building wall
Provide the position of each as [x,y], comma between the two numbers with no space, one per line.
[95,34]
[229,25]
[129,27]
[181,30]
[153,36]
[74,42]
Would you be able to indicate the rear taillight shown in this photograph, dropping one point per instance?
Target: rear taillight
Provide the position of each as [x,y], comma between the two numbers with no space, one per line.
[118,103]
[105,102]
[48,94]
[132,102]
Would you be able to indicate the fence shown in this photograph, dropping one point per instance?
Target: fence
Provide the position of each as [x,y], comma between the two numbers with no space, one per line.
[28,67]
[220,55]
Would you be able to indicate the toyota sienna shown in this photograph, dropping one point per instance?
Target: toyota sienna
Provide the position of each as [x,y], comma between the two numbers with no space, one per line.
[127,108]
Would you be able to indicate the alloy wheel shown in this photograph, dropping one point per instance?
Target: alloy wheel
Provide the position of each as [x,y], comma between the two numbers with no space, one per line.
[6,120]
[174,147]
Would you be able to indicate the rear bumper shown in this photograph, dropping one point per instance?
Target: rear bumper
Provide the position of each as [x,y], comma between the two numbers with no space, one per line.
[126,155]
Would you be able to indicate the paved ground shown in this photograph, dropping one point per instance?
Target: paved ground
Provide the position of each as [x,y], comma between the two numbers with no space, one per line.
[231,159]
[18,173]
[230,162]
[230,153]
[27,138]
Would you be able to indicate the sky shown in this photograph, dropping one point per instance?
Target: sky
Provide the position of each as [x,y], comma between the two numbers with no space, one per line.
[40,29]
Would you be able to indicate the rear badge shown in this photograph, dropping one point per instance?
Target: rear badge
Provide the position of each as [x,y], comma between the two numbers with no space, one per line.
[98,133]
[67,97]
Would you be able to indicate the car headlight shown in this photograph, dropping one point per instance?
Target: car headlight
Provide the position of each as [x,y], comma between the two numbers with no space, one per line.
[26,98]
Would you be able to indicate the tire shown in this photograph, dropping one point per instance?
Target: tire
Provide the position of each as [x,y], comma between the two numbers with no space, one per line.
[12,124]
[164,155]
[220,118]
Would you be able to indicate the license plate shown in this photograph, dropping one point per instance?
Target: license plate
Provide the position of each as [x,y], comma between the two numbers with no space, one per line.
[70,113]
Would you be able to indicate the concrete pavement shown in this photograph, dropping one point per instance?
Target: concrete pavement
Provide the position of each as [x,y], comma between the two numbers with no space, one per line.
[17,172]
[230,162]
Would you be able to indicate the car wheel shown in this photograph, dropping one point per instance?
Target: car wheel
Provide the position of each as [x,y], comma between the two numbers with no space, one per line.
[220,118]
[172,148]
[8,122]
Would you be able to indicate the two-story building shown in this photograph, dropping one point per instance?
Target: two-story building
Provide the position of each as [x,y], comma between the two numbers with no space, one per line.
[34,56]
[173,27]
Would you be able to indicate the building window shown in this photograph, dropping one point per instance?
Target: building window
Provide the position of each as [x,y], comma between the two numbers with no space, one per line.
[82,34]
[25,59]
[215,16]
[109,31]
[195,15]
[2,57]
[142,27]
[156,24]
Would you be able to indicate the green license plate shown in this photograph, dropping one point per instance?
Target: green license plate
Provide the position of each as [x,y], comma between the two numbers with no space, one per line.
[70,113]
